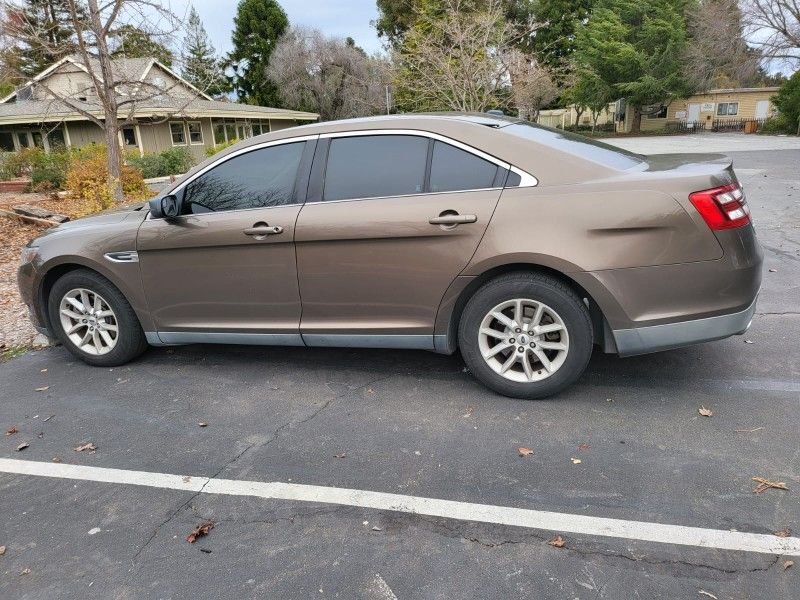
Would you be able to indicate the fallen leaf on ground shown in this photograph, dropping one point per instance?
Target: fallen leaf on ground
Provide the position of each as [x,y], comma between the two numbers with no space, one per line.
[773,270]
[584,447]
[764,484]
[707,594]
[787,564]
[25,571]
[42,370]
[557,541]
[12,430]
[206,550]
[47,418]
[42,389]
[784,532]
[376,528]
[22,446]
[469,412]
[340,455]
[370,391]
[87,446]
[748,341]
[575,461]
[202,424]
[200,531]
[753,430]
[524,451]
[705,412]
[2,550]
[56,459]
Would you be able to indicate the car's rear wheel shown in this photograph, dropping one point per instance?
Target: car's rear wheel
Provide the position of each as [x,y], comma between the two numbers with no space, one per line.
[93,320]
[526,335]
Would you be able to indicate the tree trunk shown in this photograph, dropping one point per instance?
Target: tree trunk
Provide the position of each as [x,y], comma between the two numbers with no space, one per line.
[114,160]
[636,124]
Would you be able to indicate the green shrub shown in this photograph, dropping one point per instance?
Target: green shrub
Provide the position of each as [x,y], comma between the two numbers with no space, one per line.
[787,101]
[777,124]
[49,171]
[172,161]
[220,147]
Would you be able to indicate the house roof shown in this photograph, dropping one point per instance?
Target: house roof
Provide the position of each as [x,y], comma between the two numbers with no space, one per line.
[56,111]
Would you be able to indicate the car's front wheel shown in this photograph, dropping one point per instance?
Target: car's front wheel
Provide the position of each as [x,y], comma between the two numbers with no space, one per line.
[526,335]
[93,320]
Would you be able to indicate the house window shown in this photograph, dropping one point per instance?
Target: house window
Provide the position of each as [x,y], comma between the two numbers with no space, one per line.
[55,140]
[256,125]
[195,132]
[178,134]
[219,132]
[129,136]
[662,114]
[6,142]
[23,139]
[38,139]
[230,132]
[727,108]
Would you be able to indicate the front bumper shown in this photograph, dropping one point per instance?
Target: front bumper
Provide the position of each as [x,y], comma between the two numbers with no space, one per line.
[655,338]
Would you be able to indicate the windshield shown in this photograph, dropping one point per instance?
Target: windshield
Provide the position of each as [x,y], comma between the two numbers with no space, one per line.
[587,148]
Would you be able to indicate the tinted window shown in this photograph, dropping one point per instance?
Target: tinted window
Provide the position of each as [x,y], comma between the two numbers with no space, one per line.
[583,147]
[455,169]
[256,179]
[373,166]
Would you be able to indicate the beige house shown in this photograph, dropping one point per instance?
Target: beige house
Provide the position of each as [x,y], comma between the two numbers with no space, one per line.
[165,111]
[722,109]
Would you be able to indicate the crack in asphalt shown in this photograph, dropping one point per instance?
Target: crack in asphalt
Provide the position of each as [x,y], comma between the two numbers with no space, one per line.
[275,435]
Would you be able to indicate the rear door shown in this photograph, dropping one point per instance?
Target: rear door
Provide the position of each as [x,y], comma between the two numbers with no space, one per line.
[225,270]
[391,219]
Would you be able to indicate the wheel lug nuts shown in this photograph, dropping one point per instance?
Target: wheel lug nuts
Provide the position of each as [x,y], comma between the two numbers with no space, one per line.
[512,341]
[518,330]
[521,349]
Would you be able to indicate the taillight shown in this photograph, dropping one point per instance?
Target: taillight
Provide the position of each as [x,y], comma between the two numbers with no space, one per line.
[723,207]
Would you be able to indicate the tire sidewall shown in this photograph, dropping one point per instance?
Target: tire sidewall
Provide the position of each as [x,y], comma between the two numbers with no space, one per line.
[129,336]
[561,299]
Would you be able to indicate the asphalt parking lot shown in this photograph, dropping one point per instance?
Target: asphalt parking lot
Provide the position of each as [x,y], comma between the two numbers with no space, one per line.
[416,425]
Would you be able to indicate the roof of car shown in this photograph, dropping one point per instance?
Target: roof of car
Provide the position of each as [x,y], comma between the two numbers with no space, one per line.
[488,120]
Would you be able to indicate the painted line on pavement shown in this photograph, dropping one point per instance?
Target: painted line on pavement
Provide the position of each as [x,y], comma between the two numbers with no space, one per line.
[433,507]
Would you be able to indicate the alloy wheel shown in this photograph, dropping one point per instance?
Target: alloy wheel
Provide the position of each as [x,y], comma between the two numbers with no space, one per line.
[89,321]
[523,340]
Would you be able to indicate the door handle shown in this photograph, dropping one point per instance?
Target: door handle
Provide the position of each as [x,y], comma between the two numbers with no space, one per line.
[262,230]
[449,218]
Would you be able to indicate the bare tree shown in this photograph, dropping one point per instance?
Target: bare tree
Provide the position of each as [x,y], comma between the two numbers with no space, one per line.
[532,84]
[774,27]
[718,55]
[112,96]
[326,75]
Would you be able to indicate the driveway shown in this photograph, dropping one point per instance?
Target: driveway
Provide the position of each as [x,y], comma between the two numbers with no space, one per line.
[706,142]
[324,471]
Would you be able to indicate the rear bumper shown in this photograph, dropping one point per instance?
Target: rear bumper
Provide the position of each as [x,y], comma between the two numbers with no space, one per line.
[655,338]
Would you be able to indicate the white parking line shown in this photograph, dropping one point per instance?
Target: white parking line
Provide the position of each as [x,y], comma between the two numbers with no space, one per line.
[449,509]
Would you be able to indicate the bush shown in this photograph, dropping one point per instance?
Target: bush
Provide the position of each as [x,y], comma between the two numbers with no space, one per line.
[776,125]
[49,171]
[88,179]
[220,147]
[787,101]
[172,161]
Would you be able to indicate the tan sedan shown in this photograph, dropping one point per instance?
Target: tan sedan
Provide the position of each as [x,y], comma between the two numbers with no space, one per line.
[519,245]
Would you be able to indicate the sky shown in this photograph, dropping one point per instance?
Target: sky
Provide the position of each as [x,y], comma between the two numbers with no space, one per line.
[339,18]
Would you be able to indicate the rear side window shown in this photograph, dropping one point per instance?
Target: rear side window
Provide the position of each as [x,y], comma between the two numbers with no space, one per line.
[455,169]
[257,179]
[375,166]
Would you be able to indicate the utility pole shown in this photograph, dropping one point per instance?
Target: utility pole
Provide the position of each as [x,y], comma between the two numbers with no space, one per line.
[387,100]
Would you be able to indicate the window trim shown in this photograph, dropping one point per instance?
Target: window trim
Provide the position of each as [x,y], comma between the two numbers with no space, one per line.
[727,105]
[189,133]
[183,128]
[526,179]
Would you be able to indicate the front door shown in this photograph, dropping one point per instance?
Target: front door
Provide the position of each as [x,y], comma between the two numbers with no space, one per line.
[396,219]
[225,270]
[694,113]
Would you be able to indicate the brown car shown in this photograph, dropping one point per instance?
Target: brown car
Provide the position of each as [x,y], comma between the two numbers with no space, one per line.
[519,245]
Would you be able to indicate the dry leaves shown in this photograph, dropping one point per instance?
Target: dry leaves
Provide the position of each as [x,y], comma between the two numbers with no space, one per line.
[87,446]
[557,542]
[524,451]
[783,532]
[707,594]
[25,571]
[200,531]
[340,455]
[764,484]
[787,564]
[12,430]
[42,389]
[202,424]
[22,446]
[584,447]
[2,550]
[705,412]
[576,461]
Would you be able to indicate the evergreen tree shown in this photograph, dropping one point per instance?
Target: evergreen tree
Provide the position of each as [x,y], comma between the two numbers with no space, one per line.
[132,42]
[257,26]
[201,67]
[53,39]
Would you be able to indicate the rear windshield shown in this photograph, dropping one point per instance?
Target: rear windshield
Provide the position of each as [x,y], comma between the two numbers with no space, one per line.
[589,149]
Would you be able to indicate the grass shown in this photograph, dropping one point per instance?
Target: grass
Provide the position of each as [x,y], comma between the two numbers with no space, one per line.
[14,352]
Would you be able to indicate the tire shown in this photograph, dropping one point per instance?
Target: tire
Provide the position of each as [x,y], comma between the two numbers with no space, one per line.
[566,341]
[128,340]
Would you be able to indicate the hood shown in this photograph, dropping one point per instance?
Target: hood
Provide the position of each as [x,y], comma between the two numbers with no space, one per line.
[111,216]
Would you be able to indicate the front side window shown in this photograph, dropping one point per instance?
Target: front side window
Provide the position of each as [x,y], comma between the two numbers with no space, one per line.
[454,169]
[195,132]
[6,142]
[260,178]
[129,136]
[375,166]
[178,134]
[727,108]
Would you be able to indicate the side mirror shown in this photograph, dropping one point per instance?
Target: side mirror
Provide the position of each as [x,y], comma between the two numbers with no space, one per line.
[167,207]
